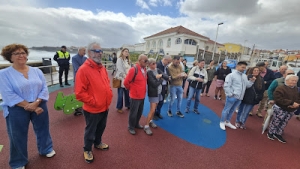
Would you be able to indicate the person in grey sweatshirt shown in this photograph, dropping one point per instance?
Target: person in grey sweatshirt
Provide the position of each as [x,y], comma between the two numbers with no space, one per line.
[235,86]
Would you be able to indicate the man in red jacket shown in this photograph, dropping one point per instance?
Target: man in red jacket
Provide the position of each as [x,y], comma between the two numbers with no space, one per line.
[92,87]
[137,92]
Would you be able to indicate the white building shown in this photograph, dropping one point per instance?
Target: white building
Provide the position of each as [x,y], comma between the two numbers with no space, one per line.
[176,41]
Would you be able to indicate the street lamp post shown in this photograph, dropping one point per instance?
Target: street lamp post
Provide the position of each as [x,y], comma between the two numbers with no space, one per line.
[214,48]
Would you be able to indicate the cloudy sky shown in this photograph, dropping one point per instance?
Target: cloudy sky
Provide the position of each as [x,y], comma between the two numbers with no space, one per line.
[270,24]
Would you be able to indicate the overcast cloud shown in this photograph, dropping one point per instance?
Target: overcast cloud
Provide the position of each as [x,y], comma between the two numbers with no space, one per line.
[270,24]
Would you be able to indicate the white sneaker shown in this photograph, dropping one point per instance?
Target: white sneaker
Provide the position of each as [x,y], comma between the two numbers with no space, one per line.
[222,125]
[20,167]
[51,154]
[228,124]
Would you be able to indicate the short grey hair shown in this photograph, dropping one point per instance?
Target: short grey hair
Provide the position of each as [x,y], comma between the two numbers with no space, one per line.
[90,46]
[81,48]
[151,60]
[289,77]
[141,55]
[167,57]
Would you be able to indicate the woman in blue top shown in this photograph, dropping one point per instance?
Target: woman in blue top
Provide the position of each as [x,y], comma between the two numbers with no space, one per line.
[24,92]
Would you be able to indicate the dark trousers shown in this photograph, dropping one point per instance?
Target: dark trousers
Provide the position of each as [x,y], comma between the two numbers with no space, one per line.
[95,126]
[206,87]
[122,91]
[63,68]
[160,103]
[136,110]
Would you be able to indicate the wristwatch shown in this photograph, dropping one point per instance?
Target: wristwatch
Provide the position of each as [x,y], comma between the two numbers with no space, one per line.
[38,100]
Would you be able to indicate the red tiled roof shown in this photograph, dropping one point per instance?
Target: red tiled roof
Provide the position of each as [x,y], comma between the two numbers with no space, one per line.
[179,30]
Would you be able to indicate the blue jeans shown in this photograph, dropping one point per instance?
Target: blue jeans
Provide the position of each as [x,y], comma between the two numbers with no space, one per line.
[176,91]
[122,91]
[230,105]
[243,112]
[17,123]
[192,91]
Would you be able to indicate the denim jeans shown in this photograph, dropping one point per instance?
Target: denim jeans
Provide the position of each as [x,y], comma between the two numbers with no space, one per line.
[176,91]
[230,105]
[192,91]
[243,112]
[17,123]
[122,91]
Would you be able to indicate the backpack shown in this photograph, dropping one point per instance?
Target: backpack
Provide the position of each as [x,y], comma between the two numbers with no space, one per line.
[135,73]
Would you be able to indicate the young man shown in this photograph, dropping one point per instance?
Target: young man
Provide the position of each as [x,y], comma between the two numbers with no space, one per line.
[198,77]
[92,87]
[177,75]
[137,92]
[235,86]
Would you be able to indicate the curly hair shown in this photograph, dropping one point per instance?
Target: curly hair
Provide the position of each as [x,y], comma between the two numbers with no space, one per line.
[9,49]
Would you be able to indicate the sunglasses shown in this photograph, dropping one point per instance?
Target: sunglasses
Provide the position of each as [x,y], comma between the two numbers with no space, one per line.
[146,61]
[97,50]
[291,74]
[153,63]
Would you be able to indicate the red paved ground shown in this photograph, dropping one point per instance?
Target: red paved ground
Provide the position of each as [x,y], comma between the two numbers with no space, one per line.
[243,148]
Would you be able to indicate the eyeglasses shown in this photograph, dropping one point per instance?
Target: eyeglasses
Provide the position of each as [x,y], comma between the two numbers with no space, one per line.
[97,50]
[153,63]
[291,74]
[19,54]
[146,61]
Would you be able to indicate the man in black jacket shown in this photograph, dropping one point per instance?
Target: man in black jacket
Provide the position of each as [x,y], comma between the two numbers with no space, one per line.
[268,77]
[163,66]
[62,57]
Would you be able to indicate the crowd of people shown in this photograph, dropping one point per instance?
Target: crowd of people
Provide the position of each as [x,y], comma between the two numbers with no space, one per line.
[25,94]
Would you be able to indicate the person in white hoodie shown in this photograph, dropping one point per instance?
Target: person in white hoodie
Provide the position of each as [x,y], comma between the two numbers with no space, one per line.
[197,77]
[235,86]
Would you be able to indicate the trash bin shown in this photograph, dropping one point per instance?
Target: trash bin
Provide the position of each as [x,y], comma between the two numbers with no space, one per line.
[47,62]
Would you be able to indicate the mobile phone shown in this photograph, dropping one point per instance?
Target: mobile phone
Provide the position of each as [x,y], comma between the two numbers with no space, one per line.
[250,76]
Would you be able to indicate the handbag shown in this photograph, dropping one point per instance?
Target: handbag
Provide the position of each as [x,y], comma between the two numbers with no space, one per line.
[116,83]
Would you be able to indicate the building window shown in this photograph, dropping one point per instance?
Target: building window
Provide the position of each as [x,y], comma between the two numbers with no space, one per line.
[207,47]
[160,44]
[169,42]
[190,42]
[148,45]
[178,41]
[153,45]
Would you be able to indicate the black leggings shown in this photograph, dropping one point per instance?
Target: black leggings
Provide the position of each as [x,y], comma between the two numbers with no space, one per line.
[206,85]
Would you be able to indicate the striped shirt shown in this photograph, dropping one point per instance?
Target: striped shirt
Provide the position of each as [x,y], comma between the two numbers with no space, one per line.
[15,88]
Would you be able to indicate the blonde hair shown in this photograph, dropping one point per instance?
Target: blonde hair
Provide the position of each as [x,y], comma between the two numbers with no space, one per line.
[195,63]
[151,60]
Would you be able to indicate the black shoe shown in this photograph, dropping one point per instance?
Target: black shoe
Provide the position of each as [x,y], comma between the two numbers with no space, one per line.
[270,136]
[128,108]
[61,85]
[77,113]
[155,117]
[179,114]
[139,126]
[279,138]
[67,84]
[160,116]
[170,113]
[196,111]
[131,131]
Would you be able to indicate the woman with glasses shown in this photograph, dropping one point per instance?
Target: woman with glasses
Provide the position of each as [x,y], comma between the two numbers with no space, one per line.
[25,94]
[122,66]
[154,81]
[253,96]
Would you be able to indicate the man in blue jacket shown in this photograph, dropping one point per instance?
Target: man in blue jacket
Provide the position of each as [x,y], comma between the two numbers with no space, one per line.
[235,86]
[268,76]
[77,61]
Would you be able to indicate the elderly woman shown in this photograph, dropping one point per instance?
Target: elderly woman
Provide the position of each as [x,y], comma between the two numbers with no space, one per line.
[220,76]
[154,81]
[123,66]
[253,96]
[287,101]
[24,92]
